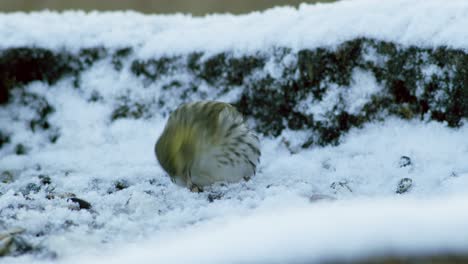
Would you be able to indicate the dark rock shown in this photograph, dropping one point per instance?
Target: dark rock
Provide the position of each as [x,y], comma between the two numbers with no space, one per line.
[214,196]
[45,180]
[404,185]
[53,136]
[404,161]
[121,184]
[82,204]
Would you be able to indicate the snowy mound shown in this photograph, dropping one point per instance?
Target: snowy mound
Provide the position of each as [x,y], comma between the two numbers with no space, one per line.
[361,107]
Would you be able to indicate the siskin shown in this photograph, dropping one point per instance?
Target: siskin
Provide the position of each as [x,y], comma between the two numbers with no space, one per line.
[207,142]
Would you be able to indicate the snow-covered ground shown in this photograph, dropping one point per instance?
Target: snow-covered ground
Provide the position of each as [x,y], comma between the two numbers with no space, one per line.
[323,203]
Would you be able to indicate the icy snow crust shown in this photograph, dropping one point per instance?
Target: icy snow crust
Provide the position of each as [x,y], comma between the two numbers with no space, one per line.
[406,22]
[323,203]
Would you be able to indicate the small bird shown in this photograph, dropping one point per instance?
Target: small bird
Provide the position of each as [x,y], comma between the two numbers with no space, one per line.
[206,142]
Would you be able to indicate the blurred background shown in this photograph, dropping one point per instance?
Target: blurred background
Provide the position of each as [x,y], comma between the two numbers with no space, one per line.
[195,7]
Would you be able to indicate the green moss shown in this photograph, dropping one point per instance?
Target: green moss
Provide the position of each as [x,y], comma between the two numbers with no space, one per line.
[129,109]
[172,85]
[95,97]
[237,69]
[40,107]
[312,69]
[4,138]
[44,179]
[89,56]
[417,83]
[118,57]
[193,62]
[213,69]
[126,111]
[54,135]
[19,66]
[42,110]
[266,102]
[223,69]
[118,185]
[121,185]
[30,188]
[316,66]
[400,72]
[153,68]
[20,149]
[457,107]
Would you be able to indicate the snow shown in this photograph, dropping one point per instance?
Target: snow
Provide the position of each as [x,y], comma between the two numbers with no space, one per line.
[275,217]
[325,24]
[318,232]
[354,97]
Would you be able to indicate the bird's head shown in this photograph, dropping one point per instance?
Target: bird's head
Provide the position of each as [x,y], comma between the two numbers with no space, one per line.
[175,150]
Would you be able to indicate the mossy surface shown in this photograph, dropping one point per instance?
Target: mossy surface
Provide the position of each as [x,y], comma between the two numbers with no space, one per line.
[4,138]
[19,66]
[390,259]
[23,65]
[119,56]
[415,82]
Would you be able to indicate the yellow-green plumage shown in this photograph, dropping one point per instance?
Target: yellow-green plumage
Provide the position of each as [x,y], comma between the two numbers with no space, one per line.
[207,142]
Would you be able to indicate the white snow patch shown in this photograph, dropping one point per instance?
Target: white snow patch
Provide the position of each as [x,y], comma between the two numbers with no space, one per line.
[312,233]
[363,86]
[309,26]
